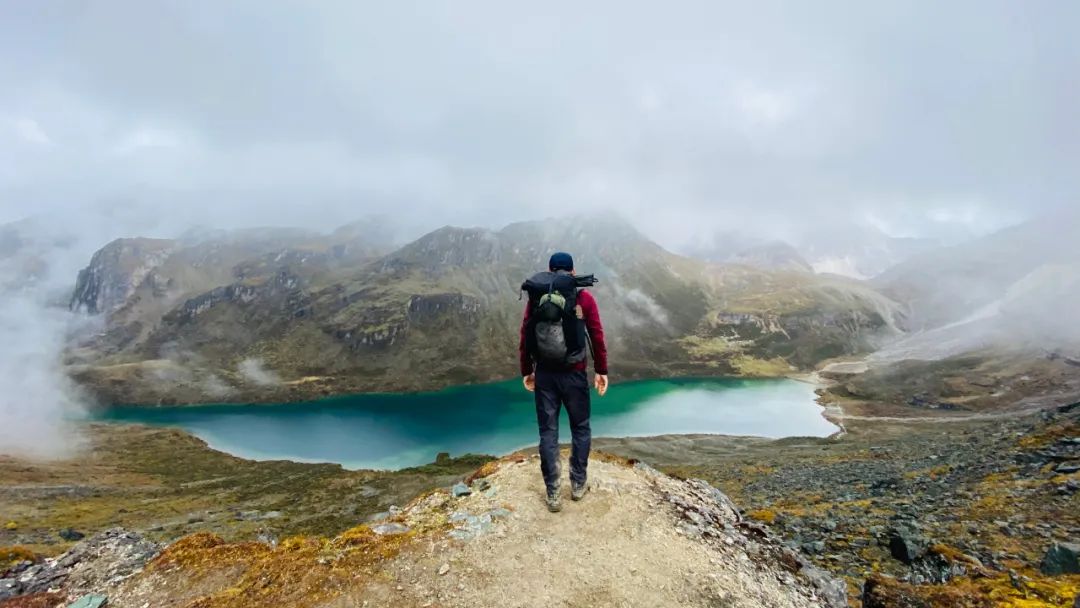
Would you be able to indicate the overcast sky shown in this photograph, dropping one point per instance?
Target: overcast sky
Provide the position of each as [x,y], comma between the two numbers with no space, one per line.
[921,118]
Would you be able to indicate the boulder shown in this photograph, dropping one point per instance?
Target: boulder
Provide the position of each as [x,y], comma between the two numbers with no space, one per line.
[905,543]
[389,528]
[940,564]
[881,591]
[105,558]
[1061,558]
[89,601]
[71,535]
[9,587]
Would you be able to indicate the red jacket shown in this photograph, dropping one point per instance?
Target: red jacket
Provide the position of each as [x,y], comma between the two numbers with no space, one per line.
[591,315]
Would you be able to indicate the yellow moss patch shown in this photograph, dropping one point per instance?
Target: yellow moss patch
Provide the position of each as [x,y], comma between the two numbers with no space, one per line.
[1040,592]
[763,515]
[1049,436]
[704,349]
[301,571]
[206,550]
[9,556]
[762,368]
[756,469]
[932,473]
[614,459]
[490,467]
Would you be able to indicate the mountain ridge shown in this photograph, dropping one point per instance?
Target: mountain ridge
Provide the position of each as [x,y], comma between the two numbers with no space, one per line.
[444,309]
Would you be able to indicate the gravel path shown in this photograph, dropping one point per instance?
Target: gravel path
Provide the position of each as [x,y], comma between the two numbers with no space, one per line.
[625,544]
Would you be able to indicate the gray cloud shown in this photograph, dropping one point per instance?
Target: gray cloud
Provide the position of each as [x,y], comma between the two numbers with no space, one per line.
[693,119]
[921,118]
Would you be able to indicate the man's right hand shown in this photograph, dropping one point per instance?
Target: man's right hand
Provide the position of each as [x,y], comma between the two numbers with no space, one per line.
[600,382]
[529,382]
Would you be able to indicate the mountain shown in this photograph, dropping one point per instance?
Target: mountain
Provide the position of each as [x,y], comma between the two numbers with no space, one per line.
[1016,287]
[775,255]
[858,250]
[853,249]
[252,317]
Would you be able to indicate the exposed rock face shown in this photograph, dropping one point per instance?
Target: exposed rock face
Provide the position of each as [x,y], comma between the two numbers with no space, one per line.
[105,559]
[116,271]
[281,292]
[428,308]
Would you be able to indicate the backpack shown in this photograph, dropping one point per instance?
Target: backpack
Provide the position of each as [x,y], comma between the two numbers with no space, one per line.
[555,336]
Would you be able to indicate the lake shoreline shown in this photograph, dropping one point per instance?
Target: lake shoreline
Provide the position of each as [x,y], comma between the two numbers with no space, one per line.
[275,395]
[393,431]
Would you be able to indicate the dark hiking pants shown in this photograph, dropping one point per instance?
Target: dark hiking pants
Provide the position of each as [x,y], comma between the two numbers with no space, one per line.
[553,390]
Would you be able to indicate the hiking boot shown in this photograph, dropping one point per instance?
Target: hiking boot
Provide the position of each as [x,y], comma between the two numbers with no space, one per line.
[554,500]
[577,491]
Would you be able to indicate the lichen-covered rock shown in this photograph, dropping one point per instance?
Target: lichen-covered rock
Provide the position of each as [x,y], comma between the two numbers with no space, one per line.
[1061,558]
[906,543]
[103,559]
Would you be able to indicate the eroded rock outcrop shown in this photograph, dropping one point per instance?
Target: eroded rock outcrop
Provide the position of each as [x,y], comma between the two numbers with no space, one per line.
[102,561]
[115,271]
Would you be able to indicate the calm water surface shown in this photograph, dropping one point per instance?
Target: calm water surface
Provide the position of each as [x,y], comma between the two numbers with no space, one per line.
[389,431]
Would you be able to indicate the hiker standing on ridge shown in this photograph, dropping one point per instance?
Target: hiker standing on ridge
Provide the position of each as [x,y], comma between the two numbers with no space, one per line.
[561,322]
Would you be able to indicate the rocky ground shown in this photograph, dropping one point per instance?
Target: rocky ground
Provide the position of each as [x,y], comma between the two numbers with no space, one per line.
[987,510]
[166,483]
[639,538]
[913,505]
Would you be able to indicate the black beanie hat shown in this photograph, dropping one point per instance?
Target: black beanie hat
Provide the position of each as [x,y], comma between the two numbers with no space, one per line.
[561,261]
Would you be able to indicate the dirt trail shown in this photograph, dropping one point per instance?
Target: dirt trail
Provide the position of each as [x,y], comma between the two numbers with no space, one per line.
[628,543]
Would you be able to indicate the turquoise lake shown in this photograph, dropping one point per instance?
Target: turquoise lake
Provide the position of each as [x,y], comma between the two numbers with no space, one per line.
[390,431]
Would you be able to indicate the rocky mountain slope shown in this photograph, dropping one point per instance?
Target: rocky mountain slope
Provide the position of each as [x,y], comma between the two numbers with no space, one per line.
[948,511]
[639,538]
[187,322]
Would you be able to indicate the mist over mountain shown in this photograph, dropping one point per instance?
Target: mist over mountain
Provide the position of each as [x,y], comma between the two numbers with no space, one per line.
[859,250]
[1015,288]
[183,321]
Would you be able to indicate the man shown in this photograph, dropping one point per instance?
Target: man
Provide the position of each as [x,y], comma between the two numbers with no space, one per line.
[556,385]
